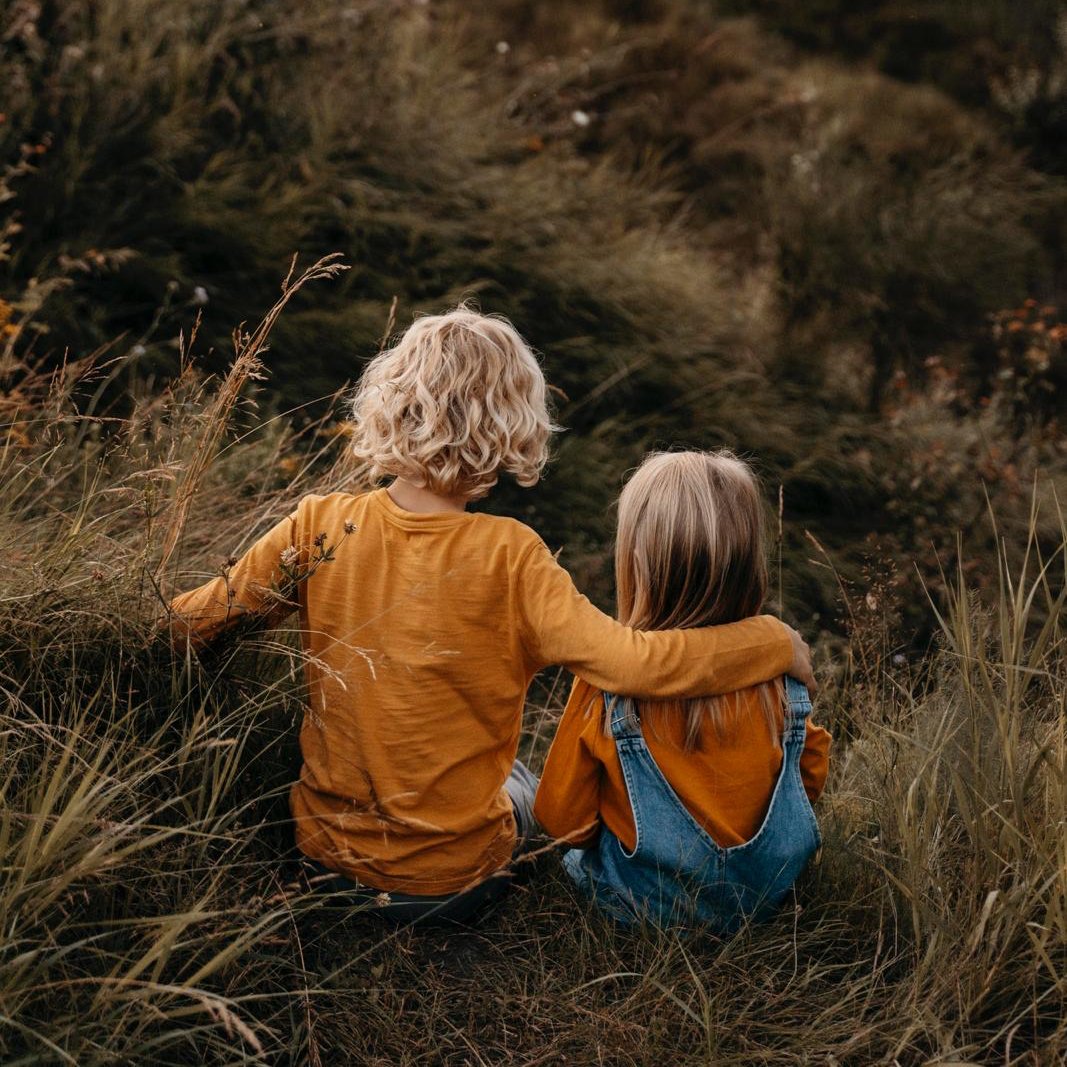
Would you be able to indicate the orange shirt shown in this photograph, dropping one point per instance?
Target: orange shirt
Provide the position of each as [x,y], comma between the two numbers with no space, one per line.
[422,635]
[725,785]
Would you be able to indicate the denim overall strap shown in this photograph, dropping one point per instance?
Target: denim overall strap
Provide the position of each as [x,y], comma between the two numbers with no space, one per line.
[622,724]
[797,710]
[655,806]
[758,874]
[676,873]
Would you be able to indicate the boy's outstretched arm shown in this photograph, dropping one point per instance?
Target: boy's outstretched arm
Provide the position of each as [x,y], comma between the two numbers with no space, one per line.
[562,626]
[260,584]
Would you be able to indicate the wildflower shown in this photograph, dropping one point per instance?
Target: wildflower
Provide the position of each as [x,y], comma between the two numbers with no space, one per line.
[1036,359]
[581,118]
[289,556]
[383,900]
[320,540]
[200,297]
[231,561]
[502,48]
[350,527]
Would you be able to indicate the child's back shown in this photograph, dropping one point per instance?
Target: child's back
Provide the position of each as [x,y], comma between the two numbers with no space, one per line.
[725,782]
[662,823]
[694,810]
[417,661]
[423,628]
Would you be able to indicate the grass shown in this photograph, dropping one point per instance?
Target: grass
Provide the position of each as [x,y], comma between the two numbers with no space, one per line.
[699,264]
[154,912]
[691,278]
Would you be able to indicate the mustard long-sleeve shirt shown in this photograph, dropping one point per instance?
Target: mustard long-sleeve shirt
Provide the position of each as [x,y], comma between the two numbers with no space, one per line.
[422,635]
[725,782]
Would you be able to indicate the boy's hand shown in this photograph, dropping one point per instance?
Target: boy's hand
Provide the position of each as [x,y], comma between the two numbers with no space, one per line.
[800,668]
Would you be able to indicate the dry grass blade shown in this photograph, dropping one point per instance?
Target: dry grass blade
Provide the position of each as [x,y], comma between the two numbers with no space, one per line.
[247,364]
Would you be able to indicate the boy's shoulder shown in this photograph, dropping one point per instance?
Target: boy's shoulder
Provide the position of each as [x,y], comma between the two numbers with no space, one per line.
[505,527]
[330,503]
[317,507]
[522,545]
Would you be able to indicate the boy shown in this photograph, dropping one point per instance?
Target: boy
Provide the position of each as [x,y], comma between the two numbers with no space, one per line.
[424,630]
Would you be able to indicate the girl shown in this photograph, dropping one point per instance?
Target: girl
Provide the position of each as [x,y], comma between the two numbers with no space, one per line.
[424,623]
[688,810]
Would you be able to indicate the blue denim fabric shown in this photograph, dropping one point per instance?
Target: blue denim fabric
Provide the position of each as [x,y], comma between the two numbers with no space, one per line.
[677,874]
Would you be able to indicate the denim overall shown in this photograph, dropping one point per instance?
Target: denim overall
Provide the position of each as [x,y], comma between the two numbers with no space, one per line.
[678,875]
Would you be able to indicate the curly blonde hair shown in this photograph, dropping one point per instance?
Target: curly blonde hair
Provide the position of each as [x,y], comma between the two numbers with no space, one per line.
[459,398]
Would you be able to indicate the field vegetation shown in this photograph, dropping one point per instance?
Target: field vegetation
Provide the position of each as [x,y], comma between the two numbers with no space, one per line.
[789,229]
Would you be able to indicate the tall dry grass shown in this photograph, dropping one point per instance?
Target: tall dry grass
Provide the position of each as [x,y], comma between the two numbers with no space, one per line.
[699,262]
[143,793]
[153,913]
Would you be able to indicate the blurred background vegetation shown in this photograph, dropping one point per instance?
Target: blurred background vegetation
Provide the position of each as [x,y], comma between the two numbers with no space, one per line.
[827,234]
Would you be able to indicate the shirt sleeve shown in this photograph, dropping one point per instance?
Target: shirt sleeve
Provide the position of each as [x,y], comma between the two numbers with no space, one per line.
[254,585]
[815,760]
[562,626]
[568,797]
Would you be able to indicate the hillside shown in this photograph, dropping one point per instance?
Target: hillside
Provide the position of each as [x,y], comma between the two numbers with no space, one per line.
[713,237]
[747,224]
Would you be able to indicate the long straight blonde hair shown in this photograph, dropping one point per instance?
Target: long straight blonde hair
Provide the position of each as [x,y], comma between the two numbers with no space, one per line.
[689,552]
